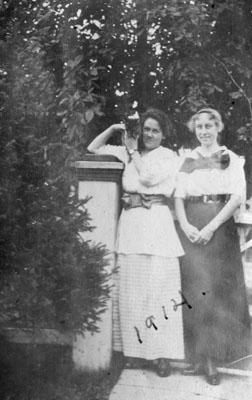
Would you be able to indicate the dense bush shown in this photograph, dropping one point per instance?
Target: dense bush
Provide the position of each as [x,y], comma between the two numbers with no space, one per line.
[49,275]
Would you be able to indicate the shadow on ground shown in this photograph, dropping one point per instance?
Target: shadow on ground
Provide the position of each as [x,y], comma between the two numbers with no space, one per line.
[46,372]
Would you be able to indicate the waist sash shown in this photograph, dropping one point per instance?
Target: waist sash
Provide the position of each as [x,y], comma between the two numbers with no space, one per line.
[133,200]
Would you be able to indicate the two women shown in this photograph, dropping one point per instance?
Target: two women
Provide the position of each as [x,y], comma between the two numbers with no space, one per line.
[210,187]
[145,325]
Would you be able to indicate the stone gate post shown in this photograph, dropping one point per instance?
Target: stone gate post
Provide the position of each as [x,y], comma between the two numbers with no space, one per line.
[99,177]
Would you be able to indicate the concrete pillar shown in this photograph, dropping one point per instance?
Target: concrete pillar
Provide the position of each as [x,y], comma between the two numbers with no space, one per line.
[99,177]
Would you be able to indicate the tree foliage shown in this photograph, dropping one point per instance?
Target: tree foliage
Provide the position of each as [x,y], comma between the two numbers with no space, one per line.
[69,69]
[179,56]
[50,276]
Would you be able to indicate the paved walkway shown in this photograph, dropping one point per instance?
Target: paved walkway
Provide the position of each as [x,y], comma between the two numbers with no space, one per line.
[146,385]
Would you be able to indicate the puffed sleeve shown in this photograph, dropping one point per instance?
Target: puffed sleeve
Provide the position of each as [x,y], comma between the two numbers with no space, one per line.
[180,186]
[118,151]
[237,181]
[159,168]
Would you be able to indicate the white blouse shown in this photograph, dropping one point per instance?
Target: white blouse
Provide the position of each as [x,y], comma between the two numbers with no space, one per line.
[157,175]
[141,230]
[230,180]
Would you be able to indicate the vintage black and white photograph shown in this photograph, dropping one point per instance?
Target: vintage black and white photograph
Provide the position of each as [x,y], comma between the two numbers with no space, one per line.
[126,200]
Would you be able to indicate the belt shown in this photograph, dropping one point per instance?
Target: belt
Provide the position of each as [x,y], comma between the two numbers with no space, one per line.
[133,200]
[209,198]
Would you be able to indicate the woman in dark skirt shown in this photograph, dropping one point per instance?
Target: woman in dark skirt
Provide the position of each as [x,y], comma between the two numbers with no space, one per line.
[210,187]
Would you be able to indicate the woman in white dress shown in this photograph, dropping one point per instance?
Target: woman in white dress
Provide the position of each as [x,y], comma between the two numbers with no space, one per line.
[146,325]
[211,184]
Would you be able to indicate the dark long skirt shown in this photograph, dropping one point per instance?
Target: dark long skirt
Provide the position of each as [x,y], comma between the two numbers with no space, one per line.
[217,324]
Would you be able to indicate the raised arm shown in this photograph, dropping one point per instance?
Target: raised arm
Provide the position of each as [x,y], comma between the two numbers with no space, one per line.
[102,139]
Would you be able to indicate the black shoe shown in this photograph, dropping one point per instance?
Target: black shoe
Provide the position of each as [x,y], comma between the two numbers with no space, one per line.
[193,370]
[213,379]
[132,363]
[212,376]
[163,368]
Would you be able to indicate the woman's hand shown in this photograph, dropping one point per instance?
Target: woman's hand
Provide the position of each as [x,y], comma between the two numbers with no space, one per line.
[131,143]
[118,128]
[205,235]
[191,232]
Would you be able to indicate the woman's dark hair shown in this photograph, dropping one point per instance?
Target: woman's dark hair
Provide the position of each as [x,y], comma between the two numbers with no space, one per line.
[162,119]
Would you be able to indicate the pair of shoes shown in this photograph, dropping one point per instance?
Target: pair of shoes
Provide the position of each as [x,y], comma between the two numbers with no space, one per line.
[131,363]
[163,368]
[193,370]
[213,379]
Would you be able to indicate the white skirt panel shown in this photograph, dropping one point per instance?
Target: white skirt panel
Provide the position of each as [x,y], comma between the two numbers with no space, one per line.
[145,324]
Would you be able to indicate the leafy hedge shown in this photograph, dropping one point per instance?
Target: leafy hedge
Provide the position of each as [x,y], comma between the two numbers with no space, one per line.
[49,275]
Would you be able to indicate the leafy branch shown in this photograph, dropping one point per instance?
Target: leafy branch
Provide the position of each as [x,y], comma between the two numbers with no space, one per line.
[241,90]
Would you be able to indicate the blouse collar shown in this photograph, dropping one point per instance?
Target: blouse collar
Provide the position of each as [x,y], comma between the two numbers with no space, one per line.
[198,151]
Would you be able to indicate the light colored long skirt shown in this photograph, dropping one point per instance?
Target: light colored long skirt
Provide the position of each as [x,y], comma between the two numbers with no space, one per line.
[145,322]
